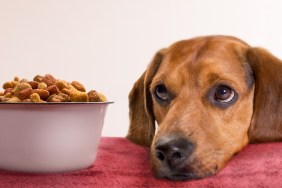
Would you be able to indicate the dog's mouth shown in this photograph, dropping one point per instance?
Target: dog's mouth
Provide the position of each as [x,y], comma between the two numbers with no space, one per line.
[181,176]
[184,176]
[186,173]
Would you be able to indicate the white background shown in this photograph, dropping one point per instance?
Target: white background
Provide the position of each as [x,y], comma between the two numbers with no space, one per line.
[107,44]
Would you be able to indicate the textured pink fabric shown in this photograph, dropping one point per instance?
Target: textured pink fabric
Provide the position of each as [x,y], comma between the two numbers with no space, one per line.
[121,163]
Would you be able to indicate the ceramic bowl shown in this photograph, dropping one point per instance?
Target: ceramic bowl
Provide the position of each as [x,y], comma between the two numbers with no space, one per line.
[50,137]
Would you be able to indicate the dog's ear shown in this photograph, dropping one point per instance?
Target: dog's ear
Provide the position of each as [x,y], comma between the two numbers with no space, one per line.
[266,124]
[142,120]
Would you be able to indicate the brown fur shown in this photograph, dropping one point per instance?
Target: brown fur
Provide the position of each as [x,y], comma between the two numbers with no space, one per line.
[266,123]
[190,69]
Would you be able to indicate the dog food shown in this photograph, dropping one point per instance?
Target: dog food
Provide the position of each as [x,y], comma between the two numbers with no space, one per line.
[47,89]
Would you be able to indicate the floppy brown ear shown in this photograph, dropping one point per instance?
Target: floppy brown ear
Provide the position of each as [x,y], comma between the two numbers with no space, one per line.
[266,124]
[142,120]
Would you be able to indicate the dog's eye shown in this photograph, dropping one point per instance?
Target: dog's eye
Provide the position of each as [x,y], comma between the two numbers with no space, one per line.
[224,94]
[161,92]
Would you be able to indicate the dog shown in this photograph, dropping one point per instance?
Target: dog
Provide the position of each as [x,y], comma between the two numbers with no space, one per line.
[200,101]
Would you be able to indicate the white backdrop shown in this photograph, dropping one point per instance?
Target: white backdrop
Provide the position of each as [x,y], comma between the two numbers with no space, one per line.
[107,44]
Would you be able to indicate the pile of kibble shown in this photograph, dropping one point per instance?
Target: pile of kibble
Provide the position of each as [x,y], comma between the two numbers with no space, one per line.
[47,89]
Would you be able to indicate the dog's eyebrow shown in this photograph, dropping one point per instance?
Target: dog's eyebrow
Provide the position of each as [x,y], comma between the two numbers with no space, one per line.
[212,77]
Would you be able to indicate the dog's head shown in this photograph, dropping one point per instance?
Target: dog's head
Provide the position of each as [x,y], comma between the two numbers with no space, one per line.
[200,101]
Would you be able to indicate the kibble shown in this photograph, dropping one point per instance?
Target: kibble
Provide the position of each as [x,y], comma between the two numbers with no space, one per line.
[47,89]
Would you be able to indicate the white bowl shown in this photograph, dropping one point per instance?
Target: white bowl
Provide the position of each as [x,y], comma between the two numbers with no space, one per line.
[49,137]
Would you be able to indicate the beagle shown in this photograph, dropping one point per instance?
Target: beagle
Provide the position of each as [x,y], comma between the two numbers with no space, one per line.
[202,100]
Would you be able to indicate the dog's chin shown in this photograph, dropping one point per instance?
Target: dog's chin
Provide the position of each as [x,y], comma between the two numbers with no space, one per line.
[182,175]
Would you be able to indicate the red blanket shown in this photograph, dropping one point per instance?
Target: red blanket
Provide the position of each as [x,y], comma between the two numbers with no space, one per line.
[121,163]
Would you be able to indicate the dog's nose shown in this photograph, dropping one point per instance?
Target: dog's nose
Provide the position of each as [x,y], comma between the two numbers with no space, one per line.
[173,151]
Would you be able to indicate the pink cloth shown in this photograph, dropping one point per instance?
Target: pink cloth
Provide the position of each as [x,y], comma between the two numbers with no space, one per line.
[120,163]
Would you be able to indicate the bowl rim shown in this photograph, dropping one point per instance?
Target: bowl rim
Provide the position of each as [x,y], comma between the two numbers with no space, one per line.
[54,103]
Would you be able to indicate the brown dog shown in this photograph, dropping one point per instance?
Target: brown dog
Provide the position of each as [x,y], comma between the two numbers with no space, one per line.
[210,96]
